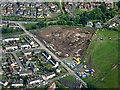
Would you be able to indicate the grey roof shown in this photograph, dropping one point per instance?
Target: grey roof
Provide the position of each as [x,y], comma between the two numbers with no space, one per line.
[17,82]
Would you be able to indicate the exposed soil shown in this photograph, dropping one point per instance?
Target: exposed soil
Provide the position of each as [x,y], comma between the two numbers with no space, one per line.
[66,41]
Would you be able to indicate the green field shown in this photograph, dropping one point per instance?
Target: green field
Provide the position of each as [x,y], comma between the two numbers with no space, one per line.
[70,78]
[103,56]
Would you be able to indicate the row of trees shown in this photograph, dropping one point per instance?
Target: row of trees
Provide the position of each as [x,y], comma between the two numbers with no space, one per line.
[6,30]
[100,14]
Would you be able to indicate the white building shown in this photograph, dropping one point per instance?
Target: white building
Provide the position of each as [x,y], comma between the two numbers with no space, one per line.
[33,81]
[98,25]
[25,45]
[28,40]
[11,39]
[3,83]
[58,69]
[49,75]
[47,56]
[11,47]
[17,83]
[54,63]
[28,53]
[25,73]
[89,24]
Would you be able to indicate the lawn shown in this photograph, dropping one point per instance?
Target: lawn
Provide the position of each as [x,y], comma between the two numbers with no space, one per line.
[104,56]
[70,78]
[78,12]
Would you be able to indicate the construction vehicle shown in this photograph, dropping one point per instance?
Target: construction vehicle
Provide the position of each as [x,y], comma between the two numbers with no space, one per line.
[84,66]
[78,63]
[93,70]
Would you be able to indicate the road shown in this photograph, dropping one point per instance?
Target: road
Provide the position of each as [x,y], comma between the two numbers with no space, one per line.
[54,56]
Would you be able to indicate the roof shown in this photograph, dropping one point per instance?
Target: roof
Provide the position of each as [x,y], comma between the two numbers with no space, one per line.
[48,74]
[17,82]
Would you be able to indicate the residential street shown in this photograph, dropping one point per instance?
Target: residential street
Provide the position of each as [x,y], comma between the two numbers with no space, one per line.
[54,56]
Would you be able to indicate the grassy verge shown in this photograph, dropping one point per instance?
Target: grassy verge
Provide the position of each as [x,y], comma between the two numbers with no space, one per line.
[70,78]
[104,55]
[10,34]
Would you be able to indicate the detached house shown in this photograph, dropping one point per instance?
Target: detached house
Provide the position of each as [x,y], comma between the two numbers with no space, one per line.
[98,25]
[89,24]
[51,5]
[40,8]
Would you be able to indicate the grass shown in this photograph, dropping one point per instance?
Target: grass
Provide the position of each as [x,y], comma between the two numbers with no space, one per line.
[10,34]
[104,56]
[63,70]
[70,78]
[20,54]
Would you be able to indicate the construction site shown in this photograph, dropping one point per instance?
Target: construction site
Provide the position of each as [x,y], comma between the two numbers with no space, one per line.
[66,41]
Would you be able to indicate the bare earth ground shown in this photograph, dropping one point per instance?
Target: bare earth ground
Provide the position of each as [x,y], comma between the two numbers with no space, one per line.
[65,41]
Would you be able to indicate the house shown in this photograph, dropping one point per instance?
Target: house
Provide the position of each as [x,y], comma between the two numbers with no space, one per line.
[92,5]
[47,56]
[21,12]
[47,13]
[40,13]
[58,69]
[26,4]
[33,13]
[89,24]
[97,5]
[70,84]
[98,25]
[25,46]
[37,51]
[70,3]
[17,83]
[9,11]
[37,4]
[25,73]
[54,63]
[40,8]
[8,47]
[32,4]
[109,5]
[10,7]
[28,40]
[51,5]
[86,6]
[3,83]
[54,10]
[35,80]
[28,53]
[49,75]
[80,6]
[22,8]
[7,39]
[52,86]
[67,8]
